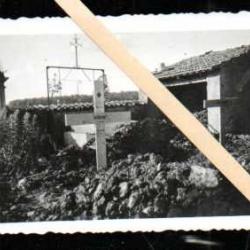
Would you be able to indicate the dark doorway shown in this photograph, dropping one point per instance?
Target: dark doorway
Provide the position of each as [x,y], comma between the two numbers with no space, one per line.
[191,95]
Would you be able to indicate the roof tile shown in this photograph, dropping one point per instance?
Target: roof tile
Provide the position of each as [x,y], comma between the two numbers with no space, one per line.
[201,64]
[84,106]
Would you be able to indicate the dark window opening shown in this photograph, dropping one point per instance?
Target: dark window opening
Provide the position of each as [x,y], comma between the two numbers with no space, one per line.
[191,96]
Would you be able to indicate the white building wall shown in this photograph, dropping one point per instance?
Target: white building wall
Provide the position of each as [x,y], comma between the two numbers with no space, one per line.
[214,113]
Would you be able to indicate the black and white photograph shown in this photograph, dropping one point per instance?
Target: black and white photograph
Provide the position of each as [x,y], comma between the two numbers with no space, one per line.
[79,141]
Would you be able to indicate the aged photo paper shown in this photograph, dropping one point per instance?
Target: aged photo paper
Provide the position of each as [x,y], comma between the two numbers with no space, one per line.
[82,149]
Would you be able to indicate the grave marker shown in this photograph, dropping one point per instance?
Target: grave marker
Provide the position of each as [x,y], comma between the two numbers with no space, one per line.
[99,117]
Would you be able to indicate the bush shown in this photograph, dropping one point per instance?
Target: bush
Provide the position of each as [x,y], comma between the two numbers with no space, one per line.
[19,144]
[4,129]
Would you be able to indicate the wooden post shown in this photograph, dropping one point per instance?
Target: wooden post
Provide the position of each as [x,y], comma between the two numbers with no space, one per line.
[99,115]
[2,96]
[2,93]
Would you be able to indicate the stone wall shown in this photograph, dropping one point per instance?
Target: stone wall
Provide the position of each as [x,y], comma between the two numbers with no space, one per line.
[235,83]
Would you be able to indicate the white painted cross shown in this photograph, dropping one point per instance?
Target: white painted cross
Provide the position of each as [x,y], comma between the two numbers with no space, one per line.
[99,117]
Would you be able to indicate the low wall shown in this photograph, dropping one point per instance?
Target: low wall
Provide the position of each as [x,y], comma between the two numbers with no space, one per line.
[81,134]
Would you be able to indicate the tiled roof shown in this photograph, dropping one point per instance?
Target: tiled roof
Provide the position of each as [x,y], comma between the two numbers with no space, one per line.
[84,106]
[201,64]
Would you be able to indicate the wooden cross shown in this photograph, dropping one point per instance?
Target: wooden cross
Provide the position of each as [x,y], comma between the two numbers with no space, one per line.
[99,117]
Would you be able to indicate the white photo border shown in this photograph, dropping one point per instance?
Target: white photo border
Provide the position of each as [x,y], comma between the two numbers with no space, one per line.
[135,23]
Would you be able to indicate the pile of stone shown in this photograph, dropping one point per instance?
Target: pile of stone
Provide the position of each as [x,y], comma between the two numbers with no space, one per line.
[136,187]
[142,185]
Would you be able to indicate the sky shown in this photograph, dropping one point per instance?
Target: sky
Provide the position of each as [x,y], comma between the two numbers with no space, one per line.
[24,57]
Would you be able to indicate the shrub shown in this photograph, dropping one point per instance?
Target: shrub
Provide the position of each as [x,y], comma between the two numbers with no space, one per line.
[4,129]
[19,144]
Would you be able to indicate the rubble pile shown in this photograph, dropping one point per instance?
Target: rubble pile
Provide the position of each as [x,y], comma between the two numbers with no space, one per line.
[149,135]
[137,187]
[47,193]
[144,186]
[140,186]
[137,184]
